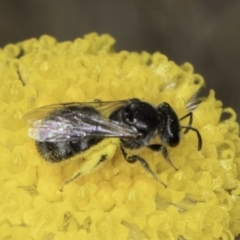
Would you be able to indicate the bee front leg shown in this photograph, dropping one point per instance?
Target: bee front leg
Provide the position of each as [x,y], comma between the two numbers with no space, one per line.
[163,150]
[145,165]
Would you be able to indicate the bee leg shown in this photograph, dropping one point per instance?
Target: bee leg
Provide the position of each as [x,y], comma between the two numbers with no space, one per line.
[145,165]
[163,149]
[87,168]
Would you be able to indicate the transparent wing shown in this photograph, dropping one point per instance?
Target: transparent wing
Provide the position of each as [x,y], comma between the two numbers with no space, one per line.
[73,121]
[104,108]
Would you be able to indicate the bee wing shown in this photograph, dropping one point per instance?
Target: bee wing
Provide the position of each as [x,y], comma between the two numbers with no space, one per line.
[104,108]
[73,121]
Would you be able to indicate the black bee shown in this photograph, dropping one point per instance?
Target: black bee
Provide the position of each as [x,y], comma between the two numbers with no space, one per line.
[63,130]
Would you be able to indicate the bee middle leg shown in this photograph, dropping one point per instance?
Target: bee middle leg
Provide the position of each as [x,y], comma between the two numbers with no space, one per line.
[145,165]
[163,150]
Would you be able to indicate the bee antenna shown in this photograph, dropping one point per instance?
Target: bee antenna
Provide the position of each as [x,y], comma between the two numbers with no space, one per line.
[190,115]
[198,135]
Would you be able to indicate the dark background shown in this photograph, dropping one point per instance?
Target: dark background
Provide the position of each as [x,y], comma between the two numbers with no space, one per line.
[205,33]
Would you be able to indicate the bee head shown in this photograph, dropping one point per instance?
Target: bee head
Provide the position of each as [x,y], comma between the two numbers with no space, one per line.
[169,128]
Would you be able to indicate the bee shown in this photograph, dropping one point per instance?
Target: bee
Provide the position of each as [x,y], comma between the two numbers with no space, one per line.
[63,130]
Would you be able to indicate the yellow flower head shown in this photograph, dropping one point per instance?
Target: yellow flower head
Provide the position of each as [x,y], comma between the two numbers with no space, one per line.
[119,201]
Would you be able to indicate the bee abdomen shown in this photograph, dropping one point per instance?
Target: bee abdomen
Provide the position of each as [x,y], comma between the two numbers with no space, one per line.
[58,151]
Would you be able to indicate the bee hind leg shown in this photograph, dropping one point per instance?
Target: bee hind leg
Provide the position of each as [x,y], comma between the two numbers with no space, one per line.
[86,168]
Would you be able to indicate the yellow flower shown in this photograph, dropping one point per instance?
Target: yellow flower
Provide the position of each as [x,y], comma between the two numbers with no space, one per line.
[120,200]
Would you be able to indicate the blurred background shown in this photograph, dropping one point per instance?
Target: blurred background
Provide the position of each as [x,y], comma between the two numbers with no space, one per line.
[205,33]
